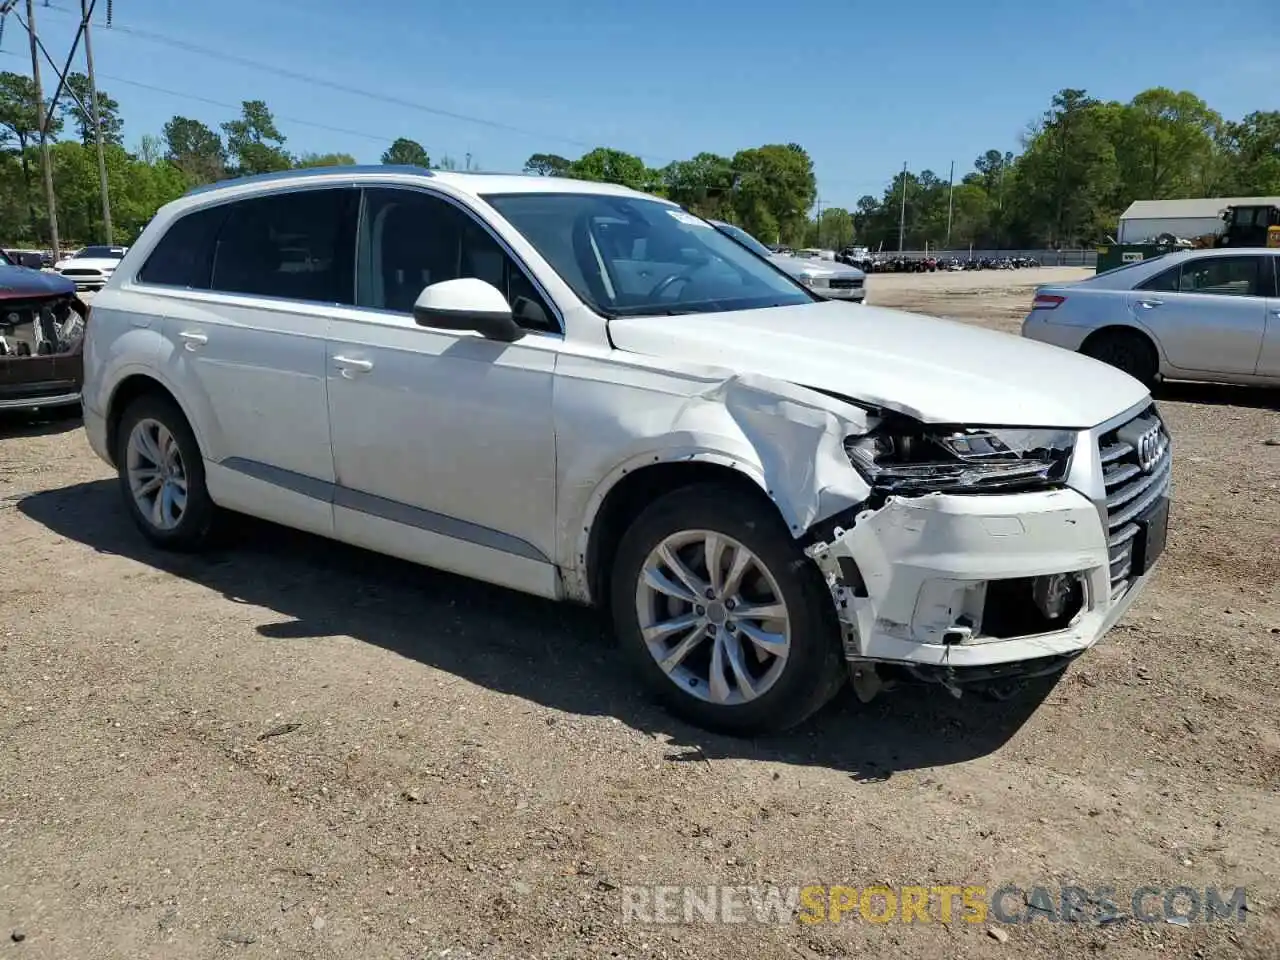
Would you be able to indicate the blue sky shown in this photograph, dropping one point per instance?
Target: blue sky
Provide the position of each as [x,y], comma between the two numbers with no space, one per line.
[862,85]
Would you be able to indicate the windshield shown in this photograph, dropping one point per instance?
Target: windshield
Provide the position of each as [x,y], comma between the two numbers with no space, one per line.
[632,256]
[101,253]
[746,239]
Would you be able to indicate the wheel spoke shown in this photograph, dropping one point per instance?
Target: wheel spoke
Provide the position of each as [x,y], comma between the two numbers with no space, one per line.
[158,517]
[165,444]
[733,653]
[657,580]
[742,559]
[692,582]
[145,482]
[665,628]
[146,447]
[677,654]
[760,611]
[720,691]
[771,643]
[714,548]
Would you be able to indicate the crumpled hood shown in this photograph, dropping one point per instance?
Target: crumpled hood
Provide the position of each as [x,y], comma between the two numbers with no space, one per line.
[16,282]
[940,371]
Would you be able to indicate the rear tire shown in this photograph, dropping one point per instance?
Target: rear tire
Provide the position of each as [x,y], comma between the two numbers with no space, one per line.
[161,475]
[1125,350]
[752,648]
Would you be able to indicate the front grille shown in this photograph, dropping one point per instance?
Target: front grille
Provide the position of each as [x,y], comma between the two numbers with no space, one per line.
[80,272]
[1130,490]
[844,283]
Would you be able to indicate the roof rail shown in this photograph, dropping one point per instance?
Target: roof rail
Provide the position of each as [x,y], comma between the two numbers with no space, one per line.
[305,173]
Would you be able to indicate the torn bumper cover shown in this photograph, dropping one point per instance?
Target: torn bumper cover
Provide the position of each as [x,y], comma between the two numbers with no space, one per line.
[947,585]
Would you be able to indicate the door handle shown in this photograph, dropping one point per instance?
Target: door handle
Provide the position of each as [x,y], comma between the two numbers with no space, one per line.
[1149,304]
[350,366]
[193,340]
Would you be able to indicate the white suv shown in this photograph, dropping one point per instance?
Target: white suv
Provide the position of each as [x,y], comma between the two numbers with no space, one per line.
[584,392]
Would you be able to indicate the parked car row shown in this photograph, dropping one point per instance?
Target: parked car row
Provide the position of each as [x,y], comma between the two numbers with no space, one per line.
[583,392]
[880,263]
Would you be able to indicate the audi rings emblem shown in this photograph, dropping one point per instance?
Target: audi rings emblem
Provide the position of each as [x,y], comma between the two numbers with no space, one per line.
[1150,449]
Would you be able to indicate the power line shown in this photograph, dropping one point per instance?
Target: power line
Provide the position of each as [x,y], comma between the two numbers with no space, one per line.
[150,36]
[183,95]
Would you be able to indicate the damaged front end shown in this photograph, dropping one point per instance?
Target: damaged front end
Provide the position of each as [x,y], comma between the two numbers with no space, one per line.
[973,564]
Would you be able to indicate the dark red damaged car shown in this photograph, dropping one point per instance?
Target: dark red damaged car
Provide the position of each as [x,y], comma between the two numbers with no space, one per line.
[41,339]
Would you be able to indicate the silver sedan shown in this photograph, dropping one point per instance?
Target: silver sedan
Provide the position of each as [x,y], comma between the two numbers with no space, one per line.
[1192,315]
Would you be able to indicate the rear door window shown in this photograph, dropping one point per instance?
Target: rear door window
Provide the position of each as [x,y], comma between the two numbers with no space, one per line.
[298,246]
[1223,276]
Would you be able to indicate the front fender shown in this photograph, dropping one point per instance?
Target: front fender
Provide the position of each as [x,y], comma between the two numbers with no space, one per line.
[787,439]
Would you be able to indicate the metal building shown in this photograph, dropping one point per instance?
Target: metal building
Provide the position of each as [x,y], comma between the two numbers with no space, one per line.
[1145,220]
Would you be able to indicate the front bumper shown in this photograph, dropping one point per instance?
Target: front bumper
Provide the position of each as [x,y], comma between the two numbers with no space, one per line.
[41,401]
[847,294]
[927,582]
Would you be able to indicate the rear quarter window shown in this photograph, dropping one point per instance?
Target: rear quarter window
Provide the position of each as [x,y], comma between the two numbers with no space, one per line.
[184,255]
[1164,282]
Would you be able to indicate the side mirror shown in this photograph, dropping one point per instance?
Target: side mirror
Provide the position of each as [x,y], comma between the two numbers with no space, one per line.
[467,304]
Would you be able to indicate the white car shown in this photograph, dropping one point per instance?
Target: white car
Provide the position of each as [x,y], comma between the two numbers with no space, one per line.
[829,280]
[92,267]
[583,392]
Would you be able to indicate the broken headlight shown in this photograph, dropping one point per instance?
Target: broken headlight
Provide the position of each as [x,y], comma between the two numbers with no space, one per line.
[903,456]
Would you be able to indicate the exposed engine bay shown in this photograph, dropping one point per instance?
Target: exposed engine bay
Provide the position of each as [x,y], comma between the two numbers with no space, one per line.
[41,327]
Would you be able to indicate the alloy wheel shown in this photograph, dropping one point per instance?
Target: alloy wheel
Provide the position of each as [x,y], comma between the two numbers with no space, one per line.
[713,617]
[157,476]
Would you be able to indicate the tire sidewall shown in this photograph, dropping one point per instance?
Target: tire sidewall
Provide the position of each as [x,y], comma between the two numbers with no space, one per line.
[1128,353]
[814,670]
[197,519]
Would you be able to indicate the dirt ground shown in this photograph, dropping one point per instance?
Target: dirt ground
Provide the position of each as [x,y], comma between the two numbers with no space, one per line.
[290,748]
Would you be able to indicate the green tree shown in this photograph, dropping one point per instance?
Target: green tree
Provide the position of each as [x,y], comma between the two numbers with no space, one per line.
[82,120]
[1252,155]
[1068,171]
[406,152]
[325,160]
[774,188]
[19,130]
[547,165]
[606,165]
[832,230]
[195,150]
[703,185]
[255,142]
[1165,145]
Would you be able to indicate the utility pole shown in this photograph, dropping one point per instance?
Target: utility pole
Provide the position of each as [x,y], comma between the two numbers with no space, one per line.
[45,162]
[951,196]
[86,11]
[902,219]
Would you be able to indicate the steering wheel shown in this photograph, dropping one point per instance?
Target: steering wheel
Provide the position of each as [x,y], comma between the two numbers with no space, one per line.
[666,283]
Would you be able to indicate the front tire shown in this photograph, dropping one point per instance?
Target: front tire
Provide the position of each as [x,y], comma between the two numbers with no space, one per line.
[161,475]
[723,616]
